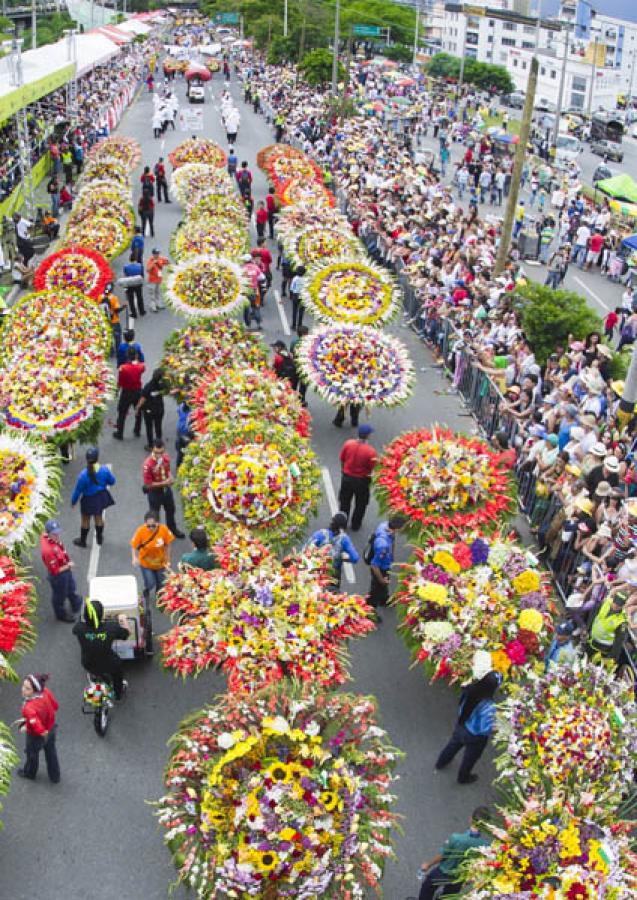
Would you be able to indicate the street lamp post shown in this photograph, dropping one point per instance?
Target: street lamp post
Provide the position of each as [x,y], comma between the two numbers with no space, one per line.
[337,30]
[285,18]
[593,76]
[416,33]
[560,91]
[34,25]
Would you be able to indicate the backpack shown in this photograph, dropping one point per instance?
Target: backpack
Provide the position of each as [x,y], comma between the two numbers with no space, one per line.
[243,179]
[287,369]
[148,188]
[368,552]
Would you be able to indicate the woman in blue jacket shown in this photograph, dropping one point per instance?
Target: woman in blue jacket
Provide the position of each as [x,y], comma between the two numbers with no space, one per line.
[92,486]
[476,721]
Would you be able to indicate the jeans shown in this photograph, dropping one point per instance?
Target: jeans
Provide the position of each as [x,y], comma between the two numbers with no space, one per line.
[434,879]
[153,579]
[135,294]
[150,218]
[164,498]
[473,749]
[32,749]
[378,592]
[545,252]
[357,489]
[63,588]
[128,398]
[55,205]
[162,185]
[553,280]
[251,312]
[297,310]
[152,422]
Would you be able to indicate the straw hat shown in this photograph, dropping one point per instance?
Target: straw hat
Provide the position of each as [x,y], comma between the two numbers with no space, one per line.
[585,505]
[603,489]
[617,387]
[611,463]
[631,507]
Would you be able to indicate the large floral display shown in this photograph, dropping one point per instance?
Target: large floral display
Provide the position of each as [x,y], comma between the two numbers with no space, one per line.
[570,733]
[103,234]
[352,364]
[261,620]
[105,170]
[475,605]
[298,190]
[124,150]
[282,795]
[238,394]
[218,206]
[29,486]
[307,215]
[251,473]
[74,267]
[17,604]
[206,347]
[206,287]
[192,181]
[62,317]
[351,291]
[317,246]
[282,162]
[545,852]
[196,237]
[444,482]
[198,150]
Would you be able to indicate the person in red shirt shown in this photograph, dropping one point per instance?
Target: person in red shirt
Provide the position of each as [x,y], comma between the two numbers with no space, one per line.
[595,244]
[129,382]
[60,572]
[610,323]
[261,218]
[358,459]
[270,205]
[158,485]
[261,253]
[38,722]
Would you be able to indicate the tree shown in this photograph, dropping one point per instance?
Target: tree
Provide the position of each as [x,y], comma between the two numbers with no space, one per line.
[399,53]
[316,67]
[483,75]
[549,317]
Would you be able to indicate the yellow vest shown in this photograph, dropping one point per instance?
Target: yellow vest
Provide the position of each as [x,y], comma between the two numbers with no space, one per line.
[606,624]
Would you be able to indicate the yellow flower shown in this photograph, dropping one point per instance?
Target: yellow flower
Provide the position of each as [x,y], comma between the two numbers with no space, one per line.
[526,582]
[445,560]
[265,860]
[500,662]
[531,620]
[434,593]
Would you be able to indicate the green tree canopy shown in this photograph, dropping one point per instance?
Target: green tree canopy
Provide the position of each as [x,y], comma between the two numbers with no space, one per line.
[549,317]
[316,67]
[482,75]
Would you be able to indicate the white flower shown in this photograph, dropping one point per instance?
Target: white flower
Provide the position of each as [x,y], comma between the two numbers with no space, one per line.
[226,740]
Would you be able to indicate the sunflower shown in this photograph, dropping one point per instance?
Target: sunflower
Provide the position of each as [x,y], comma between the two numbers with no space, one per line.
[266,860]
[329,799]
[279,772]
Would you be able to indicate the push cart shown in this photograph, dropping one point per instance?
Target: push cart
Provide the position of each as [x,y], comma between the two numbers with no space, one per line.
[119,595]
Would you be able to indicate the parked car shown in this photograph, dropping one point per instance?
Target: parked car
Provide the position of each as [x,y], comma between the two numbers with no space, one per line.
[601,172]
[608,150]
[515,100]
[197,94]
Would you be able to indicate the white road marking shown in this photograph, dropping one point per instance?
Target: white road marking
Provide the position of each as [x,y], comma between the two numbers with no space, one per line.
[284,319]
[348,568]
[163,143]
[592,293]
[94,560]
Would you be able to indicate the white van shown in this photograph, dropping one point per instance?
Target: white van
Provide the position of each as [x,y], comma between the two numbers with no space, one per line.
[567,149]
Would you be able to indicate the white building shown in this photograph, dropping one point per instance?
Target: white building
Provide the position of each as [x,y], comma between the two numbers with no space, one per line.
[601,52]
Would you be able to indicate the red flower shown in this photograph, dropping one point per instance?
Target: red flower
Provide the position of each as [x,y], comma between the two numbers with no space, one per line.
[462,555]
[516,652]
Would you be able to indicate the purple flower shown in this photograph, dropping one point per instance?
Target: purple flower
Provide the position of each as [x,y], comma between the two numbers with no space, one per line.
[449,647]
[479,552]
[264,595]
[293,609]
[434,573]
[539,860]
[515,564]
[534,600]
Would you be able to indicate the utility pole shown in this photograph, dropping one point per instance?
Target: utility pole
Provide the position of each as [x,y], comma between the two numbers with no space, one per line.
[464,50]
[520,153]
[34,25]
[285,18]
[337,37]
[416,32]
[627,403]
[632,76]
[593,70]
[560,92]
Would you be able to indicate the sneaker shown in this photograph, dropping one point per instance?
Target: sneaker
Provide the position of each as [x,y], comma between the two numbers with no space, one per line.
[23,774]
[470,779]
[66,617]
[179,535]
[118,436]
[79,542]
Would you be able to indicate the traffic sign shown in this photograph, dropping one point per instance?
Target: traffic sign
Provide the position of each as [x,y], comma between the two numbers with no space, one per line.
[366,30]
[228,18]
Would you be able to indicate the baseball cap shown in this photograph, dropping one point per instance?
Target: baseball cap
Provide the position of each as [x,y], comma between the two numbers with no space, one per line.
[565,628]
[52,527]
[365,431]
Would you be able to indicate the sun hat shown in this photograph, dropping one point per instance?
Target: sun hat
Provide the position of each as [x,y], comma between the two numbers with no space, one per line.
[603,489]
[617,387]
[598,449]
[611,463]
[585,505]
[552,439]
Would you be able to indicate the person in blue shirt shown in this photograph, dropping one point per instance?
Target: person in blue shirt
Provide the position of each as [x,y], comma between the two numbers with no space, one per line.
[122,349]
[233,161]
[134,270]
[137,245]
[476,721]
[443,871]
[562,650]
[184,431]
[92,489]
[342,548]
[382,557]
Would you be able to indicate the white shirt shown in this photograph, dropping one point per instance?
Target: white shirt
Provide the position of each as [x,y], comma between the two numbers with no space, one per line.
[583,234]
[22,228]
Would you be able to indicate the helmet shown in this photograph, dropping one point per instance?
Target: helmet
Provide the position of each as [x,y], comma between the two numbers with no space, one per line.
[92,455]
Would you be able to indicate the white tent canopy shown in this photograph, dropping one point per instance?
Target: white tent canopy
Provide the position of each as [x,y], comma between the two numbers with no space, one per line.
[134,26]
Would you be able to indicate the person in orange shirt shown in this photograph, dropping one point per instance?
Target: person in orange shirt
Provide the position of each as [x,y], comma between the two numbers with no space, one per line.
[154,271]
[151,552]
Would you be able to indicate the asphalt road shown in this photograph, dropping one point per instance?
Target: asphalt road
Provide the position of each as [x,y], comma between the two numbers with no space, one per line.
[94,835]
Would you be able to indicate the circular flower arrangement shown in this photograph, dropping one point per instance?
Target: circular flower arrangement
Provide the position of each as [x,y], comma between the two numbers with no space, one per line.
[74,267]
[474,606]
[218,206]
[306,215]
[107,236]
[58,390]
[106,170]
[101,187]
[550,854]
[198,150]
[206,287]
[444,481]
[282,166]
[196,238]
[206,347]
[265,154]
[125,150]
[282,795]
[246,394]
[252,473]
[298,190]
[60,318]
[17,605]
[29,485]
[351,291]
[317,246]
[261,621]
[570,733]
[104,205]
[192,181]
[348,364]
